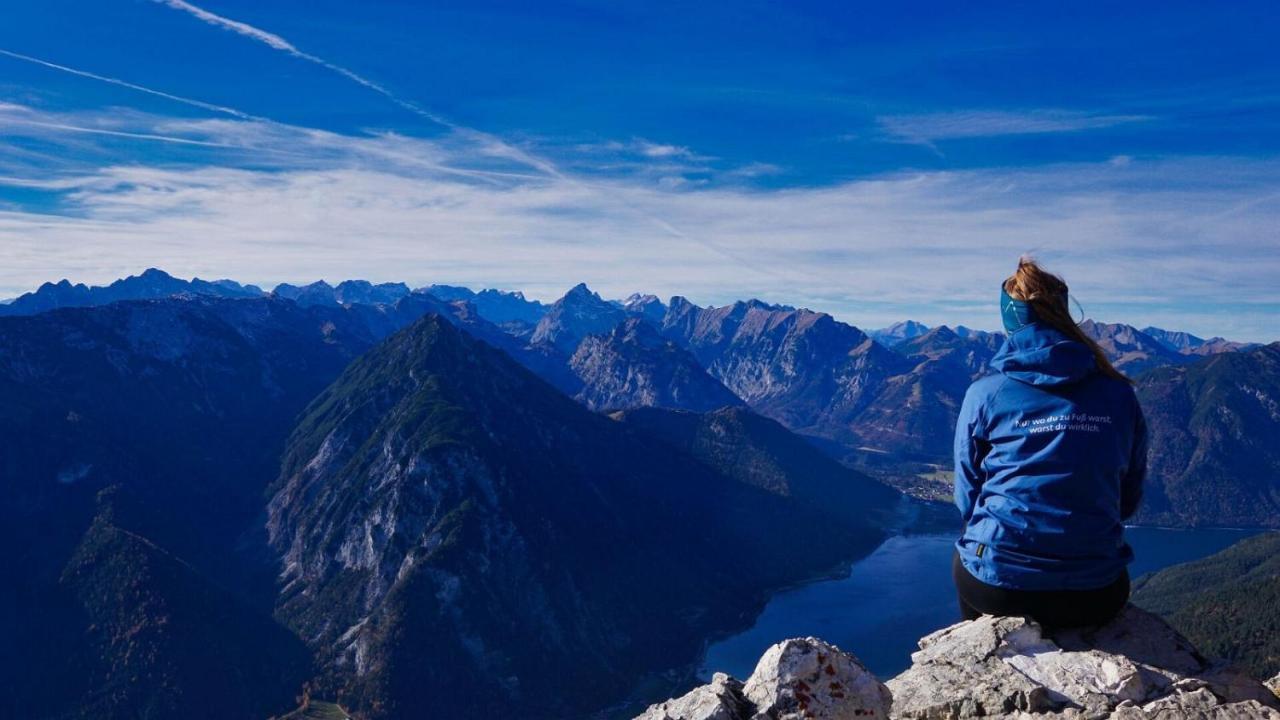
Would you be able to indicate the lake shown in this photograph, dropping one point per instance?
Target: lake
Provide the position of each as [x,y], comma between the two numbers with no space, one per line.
[902,591]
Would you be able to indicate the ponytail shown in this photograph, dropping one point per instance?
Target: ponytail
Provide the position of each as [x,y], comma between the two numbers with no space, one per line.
[1047,295]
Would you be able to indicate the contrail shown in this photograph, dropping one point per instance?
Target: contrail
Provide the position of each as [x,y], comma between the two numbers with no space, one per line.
[495,145]
[122,133]
[275,41]
[116,81]
[489,176]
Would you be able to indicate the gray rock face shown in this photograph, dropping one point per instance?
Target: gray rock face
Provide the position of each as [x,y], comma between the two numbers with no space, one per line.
[1274,684]
[721,699]
[798,678]
[633,366]
[1134,668]
[809,678]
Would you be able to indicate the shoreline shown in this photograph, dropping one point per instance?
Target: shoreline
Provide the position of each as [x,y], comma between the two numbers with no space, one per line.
[685,677]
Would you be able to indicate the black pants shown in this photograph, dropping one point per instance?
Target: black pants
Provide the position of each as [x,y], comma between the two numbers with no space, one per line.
[1051,608]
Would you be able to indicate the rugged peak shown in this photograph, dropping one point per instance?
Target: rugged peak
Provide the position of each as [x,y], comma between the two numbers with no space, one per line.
[898,332]
[448,292]
[578,314]
[646,306]
[943,333]
[155,274]
[1132,668]
[581,291]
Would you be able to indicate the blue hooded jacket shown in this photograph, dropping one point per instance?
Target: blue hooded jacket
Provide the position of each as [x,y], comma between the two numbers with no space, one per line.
[1050,456]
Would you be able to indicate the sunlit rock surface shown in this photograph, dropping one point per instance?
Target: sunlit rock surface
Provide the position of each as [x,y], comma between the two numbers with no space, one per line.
[1132,668]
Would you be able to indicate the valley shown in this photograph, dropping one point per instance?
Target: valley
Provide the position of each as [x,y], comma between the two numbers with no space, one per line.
[388,496]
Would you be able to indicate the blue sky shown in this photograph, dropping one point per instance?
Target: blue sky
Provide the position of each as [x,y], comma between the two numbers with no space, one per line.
[875,162]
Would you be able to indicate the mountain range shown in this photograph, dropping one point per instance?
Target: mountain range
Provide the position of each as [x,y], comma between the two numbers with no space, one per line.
[457,533]
[404,498]
[881,400]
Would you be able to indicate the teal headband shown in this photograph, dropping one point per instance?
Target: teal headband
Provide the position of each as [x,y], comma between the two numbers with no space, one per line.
[1015,313]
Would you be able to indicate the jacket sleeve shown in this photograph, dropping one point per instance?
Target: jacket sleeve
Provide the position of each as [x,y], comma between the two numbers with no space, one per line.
[970,449]
[1131,487]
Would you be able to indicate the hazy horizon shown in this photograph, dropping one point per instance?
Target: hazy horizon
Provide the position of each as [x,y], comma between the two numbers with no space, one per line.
[268,287]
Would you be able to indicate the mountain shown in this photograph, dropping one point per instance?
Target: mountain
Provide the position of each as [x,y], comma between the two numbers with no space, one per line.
[760,452]
[913,412]
[497,306]
[1228,604]
[634,366]
[824,378]
[897,332]
[179,409]
[317,293]
[970,333]
[151,284]
[363,292]
[456,534]
[1188,344]
[1215,345]
[1215,440]
[973,350]
[544,360]
[1131,350]
[648,307]
[347,292]
[578,314]
[768,355]
[1177,341]
[162,640]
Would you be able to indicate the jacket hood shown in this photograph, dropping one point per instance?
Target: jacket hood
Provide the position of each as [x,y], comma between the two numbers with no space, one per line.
[1038,354]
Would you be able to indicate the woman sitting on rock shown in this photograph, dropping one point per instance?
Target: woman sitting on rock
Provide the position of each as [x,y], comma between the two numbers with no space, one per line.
[1050,455]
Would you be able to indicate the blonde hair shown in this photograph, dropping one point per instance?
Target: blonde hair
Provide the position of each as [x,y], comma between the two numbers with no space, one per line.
[1047,295]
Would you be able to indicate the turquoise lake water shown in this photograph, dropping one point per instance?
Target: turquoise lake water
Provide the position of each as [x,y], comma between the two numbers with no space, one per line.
[902,591]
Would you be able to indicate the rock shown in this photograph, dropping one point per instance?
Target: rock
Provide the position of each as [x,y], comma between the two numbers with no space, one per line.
[721,699]
[958,674]
[1274,684]
[1134,667]
[1199,704]
[795,679]
[808,678]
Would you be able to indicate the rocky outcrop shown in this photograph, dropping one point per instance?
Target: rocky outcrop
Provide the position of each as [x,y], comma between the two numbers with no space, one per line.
[1135,667]
[799,678]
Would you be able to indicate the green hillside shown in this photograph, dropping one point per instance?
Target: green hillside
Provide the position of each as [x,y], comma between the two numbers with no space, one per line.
[1227,604]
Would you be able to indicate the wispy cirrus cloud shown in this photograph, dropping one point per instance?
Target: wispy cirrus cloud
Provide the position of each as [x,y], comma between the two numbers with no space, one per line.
[928,128]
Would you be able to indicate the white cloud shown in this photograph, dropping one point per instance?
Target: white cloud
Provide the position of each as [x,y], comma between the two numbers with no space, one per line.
[927,128]
[1146,242]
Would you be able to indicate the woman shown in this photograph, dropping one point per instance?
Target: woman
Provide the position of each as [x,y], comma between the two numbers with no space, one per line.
[1050,455]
